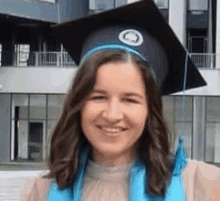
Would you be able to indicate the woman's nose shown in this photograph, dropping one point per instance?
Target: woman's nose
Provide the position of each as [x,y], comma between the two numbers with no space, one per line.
[113,112]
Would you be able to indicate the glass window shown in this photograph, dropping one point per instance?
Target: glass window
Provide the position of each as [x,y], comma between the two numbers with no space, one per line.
[19,106]
[168,110]
[213,130]
[101,4]
[212,139]
[37,107]
[55,106]
[187,108]
[162,3]
[198,4]
[172,106]
[168,107]
[213,109]
[36,139]
[120,2]
[33,121]
[92,4]
[50,128]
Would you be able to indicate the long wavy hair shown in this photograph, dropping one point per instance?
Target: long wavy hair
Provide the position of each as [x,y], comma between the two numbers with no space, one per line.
[154,145]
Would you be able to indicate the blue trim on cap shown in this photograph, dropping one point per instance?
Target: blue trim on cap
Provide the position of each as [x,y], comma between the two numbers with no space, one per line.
[112,46]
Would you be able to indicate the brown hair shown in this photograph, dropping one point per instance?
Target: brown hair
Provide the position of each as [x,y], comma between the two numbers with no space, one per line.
[154,146]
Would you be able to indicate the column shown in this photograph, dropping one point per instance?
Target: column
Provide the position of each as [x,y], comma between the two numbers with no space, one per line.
[177,19]
[198,127]
[218,35]
[210,59]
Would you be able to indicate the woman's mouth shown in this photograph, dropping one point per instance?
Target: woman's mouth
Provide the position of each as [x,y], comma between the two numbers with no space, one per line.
[111,129]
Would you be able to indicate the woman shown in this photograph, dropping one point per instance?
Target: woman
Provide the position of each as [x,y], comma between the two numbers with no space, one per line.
[112,142]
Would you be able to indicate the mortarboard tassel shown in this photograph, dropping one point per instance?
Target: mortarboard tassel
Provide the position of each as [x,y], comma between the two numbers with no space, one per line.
[180,159]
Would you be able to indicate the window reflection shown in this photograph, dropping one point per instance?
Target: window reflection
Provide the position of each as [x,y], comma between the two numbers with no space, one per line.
[20,106]
[187,108]
[198,4]
[172,107]
[37,106]
[34,117]
[162,3]
[213,130]
[55,105]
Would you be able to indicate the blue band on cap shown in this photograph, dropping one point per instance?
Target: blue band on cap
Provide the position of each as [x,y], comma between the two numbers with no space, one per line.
[113,46]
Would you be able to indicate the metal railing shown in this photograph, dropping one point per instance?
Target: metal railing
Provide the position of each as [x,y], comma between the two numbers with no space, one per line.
[205,60]
[63,59]
[38,59]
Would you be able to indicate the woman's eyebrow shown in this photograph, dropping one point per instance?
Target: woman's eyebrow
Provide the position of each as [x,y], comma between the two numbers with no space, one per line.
[133,94]
[125,94]
[99,91]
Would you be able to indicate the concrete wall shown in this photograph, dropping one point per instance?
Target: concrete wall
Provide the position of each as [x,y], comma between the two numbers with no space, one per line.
[177,19]
[5,127]
[212,78]
[35,80]
[57,80]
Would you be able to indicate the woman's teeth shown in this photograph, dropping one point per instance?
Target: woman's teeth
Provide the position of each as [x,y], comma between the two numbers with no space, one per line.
[111,130]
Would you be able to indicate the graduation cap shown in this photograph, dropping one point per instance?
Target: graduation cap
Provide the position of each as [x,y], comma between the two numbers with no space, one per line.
[138,28]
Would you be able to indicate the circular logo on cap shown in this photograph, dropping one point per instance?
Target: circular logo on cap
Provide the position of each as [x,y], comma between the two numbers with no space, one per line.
[131,37]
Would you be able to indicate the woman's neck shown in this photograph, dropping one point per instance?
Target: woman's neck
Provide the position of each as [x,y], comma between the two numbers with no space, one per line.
[112,160]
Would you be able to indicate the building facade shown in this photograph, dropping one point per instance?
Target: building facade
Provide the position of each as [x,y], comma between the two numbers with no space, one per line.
[35,72]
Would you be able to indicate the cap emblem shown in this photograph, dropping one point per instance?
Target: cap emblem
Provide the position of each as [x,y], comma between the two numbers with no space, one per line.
[131,37]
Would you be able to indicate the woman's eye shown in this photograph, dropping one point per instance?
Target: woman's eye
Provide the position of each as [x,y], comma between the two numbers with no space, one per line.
[130,100]
[98,97]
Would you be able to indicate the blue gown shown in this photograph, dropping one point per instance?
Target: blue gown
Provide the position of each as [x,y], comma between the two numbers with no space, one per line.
[175,190]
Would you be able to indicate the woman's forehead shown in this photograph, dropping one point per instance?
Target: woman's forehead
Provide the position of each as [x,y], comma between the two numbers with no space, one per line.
[119,77]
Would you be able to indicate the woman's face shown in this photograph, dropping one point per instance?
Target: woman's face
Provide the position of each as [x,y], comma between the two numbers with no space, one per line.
[114,115]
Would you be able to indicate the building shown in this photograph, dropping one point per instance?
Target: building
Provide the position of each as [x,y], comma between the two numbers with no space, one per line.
[35,73]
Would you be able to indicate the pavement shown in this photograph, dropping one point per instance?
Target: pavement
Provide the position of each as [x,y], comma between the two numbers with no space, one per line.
[13,176]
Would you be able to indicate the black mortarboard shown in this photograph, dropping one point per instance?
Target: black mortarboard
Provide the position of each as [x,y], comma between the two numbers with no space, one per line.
[139,28]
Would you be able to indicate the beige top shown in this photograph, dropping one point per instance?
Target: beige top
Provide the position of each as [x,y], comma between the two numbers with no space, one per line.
[201,182]
[106,183]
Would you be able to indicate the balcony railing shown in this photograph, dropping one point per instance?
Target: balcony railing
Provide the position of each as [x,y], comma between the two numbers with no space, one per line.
[38,59]
[205,60]
[63,59]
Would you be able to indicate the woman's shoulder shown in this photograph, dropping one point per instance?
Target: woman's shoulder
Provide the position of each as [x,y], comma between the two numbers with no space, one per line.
[201,180]
[35,188]
[201,168]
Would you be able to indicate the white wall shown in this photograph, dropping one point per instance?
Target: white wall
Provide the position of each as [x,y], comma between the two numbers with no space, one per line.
[56,80]
[212,77]
[132,1]
[35,80]
[177,19]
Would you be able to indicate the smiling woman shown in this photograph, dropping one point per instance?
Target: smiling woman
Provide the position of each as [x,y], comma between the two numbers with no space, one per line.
[116,109]
[111,142]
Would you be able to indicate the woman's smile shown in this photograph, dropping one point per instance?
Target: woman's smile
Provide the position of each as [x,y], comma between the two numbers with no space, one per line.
[111,132]
[111,129]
